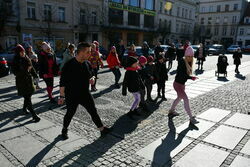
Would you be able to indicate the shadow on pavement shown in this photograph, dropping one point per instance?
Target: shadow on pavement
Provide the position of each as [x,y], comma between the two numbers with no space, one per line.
[173,72]
[240,76]
[38,157]
[198,72]
[104,91]
[162,154]
[7,90]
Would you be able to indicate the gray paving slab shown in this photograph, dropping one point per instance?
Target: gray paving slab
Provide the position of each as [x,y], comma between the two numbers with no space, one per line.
[28,150]
[240,161]
[164,148]
[246,148]
[10,130]
[37,126]
[214,114]
[73,145]
[203,127]
[239,120]
[202,156]
[4,161]
[51,133]
[225,136]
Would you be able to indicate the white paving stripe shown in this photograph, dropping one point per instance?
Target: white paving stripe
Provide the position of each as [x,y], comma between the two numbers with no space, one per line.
[206,82]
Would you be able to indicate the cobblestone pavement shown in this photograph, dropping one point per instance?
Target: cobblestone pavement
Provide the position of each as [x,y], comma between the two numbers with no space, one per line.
[222,137]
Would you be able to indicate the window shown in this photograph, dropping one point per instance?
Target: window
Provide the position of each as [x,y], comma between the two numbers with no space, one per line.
[218,8]
[178,11]
[216,30]
[241,31]
[182,14]
[61,14]
[248,31]
[186,13]
[226,8]
[247,20]
[82,16]
[224,31]
[209,20]
[234,19]
[135,3]
[118,1]
[217,20]
[211,8]
[190,14]
[94,21]
[170,12]
[161,7]
[225,19]
[235,6]
[133,19]
[149,4]
[160,23]
[47,13]
[115,16]
[202,20]
[31,10]
[149,21]
[177,27]
[9,7]
[233,31]
[203,9]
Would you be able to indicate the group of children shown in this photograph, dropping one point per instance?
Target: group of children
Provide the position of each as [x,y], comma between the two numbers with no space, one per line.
[139,78]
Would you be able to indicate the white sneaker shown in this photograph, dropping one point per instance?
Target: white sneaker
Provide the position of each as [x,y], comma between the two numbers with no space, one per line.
[193,120]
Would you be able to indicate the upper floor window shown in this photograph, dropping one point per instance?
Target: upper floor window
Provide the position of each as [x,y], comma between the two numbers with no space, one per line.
[218,8]
[225,19]
[234,19]
[190,14]
[226,8]
[182,13]
[118,1]
[203,9]
[149,4]
[241,31]
[94,19]
[186,13]
[61,14]
[211,8]
[202,20]
[135,3]
[178,11]
[217,20]
[82,16]
[31,10]
[210,20]
[47,12]
[235,6]
[247,20]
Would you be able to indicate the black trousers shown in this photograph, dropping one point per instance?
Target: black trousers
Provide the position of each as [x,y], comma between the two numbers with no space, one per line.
[117,73]
[161,87]
[28,104]
[88,103]
[95,71]
[149,90]
[49,82]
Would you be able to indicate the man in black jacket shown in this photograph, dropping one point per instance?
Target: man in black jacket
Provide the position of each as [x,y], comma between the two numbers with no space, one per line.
[74,87]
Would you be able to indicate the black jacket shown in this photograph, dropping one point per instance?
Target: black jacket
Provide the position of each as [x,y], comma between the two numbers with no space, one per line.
[145,51]
[182,76]
[143,73]
[170,54]
[152,72]
[133,82]
[43,64]
[162,71]
[180,54]
[237,56]
[158,49]
[75,78]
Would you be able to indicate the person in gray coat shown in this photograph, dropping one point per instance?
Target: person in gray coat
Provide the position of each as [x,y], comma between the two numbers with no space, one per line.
[68,55]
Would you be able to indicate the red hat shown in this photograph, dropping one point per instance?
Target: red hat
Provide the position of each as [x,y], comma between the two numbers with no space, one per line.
[19,48]
[150,59]
[96,43]
[142,59]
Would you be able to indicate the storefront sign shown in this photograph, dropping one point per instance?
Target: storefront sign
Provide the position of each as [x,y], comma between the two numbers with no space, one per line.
[133,9]
[27,39]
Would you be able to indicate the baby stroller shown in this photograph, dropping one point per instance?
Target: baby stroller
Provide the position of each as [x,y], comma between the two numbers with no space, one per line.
[222,66]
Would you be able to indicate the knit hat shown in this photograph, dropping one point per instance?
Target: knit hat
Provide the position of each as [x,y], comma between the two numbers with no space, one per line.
[189,51]
[96,43]
[142,59]
[113,47]
[150,59]
[19,48]
[131,61]
[45,46]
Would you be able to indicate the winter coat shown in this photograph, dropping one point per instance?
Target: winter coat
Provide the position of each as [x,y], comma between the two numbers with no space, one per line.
[182,76]
[196,55]
[145,51]
[66,57]
[44,66]
[24,78]
[113,60]
[152,72]
[170,54]
[158,49]
[162,72]
[237,56]
[180,54]
[132,81]
[143,73]
[120,49]
[95,59]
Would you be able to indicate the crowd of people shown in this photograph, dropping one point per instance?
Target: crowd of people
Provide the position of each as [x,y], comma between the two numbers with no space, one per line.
[79,71]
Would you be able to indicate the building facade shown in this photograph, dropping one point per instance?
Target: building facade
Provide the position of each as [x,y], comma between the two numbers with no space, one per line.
[63,21]
[219,20]
[243,36]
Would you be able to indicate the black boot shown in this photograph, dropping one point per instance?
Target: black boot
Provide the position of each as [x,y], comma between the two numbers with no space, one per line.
[34,115]
[144,107]
[25,111]
[163,97]
[65,134]
[105,131]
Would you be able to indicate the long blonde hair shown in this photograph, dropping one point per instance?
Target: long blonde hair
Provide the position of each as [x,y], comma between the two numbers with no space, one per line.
[189,65]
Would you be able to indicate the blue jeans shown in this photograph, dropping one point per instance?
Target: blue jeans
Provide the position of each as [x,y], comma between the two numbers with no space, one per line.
[117,73]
